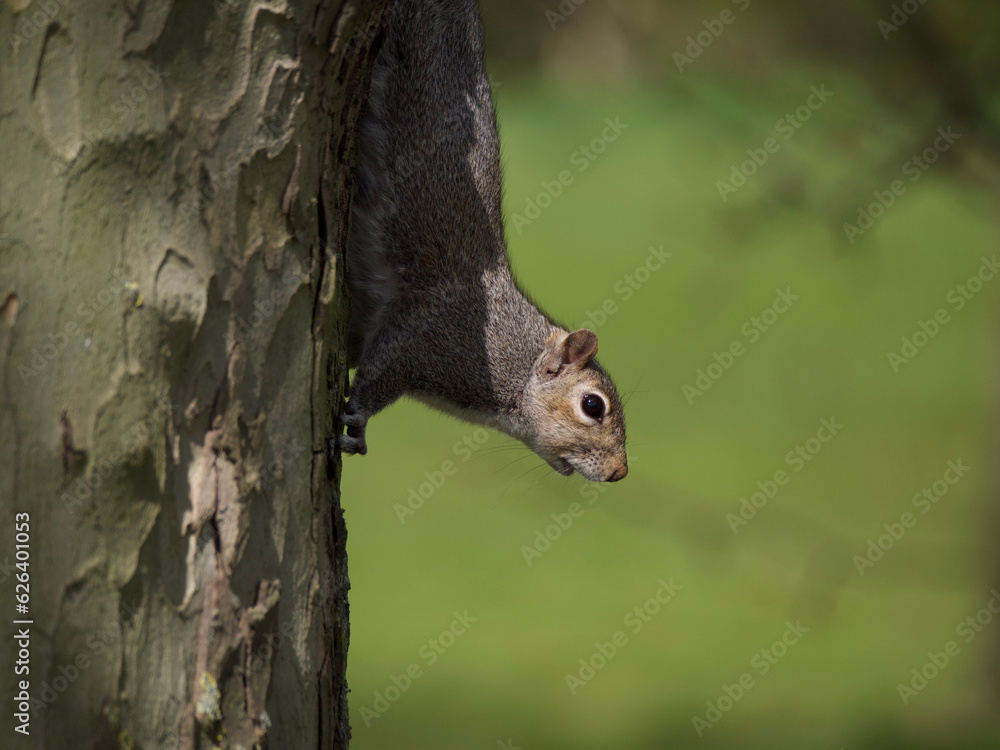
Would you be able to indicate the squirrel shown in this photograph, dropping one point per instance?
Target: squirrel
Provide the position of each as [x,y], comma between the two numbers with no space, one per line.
[436,313]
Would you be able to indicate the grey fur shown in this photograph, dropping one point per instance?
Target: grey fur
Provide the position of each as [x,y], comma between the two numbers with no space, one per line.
[435,311]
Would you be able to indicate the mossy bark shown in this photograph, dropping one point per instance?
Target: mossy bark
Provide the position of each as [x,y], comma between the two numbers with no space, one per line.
[174,191]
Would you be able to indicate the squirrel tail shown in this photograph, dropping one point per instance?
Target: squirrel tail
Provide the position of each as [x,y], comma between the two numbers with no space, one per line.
[372,280]
[427,159]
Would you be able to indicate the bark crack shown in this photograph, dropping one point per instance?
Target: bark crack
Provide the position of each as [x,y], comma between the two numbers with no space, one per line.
[72,458]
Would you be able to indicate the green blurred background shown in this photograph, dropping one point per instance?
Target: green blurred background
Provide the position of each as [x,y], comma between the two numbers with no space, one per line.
[503,682]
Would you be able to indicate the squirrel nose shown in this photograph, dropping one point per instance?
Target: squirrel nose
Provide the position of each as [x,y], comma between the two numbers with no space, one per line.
[618,473]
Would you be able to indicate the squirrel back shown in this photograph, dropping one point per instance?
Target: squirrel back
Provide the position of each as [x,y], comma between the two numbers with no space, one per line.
[428,180]
[435,310]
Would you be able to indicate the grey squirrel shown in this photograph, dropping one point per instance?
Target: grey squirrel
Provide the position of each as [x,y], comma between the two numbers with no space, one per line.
[435,312]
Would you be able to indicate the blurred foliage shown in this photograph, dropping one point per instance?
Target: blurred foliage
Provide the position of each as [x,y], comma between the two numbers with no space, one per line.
[913,51]
[926,63]
[440,513]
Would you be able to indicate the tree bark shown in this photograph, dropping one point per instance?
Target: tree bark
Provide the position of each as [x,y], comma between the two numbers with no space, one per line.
[174,193]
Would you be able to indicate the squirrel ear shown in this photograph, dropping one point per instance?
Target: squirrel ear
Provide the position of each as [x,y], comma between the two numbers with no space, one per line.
[573,350]
[579,347]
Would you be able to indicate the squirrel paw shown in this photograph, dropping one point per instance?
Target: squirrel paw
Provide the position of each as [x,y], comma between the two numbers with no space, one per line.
[352,420]
[351,445]
[353,441]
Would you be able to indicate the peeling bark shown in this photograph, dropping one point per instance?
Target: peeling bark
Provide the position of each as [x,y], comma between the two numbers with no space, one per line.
[174,191]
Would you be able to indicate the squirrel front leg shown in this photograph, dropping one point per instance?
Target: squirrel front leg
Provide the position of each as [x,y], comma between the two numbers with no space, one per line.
[379,380]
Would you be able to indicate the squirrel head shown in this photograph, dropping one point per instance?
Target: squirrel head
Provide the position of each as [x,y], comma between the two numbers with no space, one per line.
[574,408]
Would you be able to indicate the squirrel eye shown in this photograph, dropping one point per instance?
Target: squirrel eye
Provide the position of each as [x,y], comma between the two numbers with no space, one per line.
[593,406]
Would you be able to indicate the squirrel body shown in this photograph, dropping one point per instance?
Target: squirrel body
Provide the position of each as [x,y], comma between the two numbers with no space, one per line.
[436,313]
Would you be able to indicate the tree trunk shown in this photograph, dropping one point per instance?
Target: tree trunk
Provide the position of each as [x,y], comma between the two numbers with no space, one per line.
[174,188]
